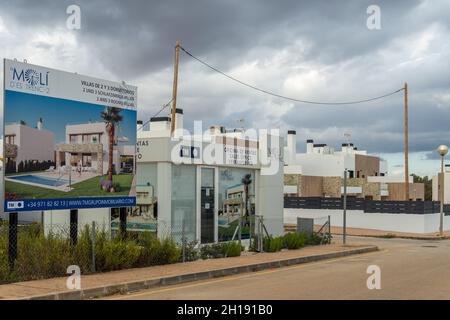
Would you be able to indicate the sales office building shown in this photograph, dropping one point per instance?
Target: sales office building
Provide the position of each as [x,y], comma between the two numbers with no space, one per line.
[191,184]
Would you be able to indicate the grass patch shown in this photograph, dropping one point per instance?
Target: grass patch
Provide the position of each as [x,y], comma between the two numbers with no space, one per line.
[86,188]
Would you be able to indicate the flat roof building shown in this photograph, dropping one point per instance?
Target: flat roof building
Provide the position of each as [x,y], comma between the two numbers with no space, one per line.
[194,184]
[319,172]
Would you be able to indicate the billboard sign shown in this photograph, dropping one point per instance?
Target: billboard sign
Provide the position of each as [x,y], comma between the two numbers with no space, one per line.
[69,140]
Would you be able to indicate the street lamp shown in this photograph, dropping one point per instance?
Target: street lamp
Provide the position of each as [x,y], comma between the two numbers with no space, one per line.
[442,150]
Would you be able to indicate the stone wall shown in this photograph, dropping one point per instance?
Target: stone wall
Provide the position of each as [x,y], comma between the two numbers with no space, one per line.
[312,186]
[332,187]
[369,189]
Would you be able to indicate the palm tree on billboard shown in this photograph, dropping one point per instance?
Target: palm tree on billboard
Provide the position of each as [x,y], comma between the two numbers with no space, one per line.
[112,117]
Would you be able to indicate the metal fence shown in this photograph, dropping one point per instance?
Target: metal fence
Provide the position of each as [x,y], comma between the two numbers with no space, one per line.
[369,206]
[38,251]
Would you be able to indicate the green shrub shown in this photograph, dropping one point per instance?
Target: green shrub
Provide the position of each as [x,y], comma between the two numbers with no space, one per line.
[170,252]
[221,250]
[211,251]
[316,239]
[191,252]
[273,244]
[116,254]
[155,251]
[40,256]
[232,249]
[4,264]
[294,240]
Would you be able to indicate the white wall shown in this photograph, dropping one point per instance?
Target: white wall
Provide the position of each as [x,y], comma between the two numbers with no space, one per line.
[33,144]
[269,191]
[164,194]
[59,220]
[331,165]
[412,223]
[446,188]
[389,179]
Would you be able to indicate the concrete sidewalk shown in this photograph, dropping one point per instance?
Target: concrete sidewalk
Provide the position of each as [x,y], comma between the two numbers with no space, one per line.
[103,284]
[360,232]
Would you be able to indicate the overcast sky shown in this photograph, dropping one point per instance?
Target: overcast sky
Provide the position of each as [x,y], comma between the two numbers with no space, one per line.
[316,50]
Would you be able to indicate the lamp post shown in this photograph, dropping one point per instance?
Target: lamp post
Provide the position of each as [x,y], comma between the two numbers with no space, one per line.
[442,150]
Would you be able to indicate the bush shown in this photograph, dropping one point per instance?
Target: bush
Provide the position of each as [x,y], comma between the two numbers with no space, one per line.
[232,249]
[191,252]
[294,240]
[105,185]
[221,250]
[155,251]
[115,254]
[273,244]
[316,239]
[41,256]
[169,252]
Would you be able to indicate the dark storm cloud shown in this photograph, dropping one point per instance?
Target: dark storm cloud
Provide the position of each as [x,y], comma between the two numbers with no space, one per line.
[135,37]
[134,40]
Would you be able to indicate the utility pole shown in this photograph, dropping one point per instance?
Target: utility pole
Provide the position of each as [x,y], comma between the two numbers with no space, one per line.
[175,85]
[344,206]
[406,145]
[441,205]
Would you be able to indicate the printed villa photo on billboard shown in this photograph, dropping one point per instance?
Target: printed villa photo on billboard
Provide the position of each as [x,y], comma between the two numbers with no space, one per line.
[58,148]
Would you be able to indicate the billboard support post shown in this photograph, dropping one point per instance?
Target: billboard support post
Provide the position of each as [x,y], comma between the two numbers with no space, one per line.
[73,226]
[123,222]
[12,239]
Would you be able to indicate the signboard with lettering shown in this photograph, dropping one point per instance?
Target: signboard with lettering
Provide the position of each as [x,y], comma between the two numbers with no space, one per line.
[69,140]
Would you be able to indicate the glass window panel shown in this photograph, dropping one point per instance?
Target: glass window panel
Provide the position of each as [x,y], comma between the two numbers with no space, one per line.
[231,201]
[184,204]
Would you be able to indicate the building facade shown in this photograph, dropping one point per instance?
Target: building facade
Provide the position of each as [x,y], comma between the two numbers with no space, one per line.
[88,144]
[320,170]
[24,143]
[184,192]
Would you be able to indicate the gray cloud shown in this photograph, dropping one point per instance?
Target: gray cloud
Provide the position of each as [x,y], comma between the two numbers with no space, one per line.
[308,49]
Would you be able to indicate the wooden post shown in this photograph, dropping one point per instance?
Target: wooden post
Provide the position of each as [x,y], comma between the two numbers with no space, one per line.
[406,145]
[175,86]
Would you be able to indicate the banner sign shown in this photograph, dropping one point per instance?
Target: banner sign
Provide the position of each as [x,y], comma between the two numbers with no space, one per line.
[58,131]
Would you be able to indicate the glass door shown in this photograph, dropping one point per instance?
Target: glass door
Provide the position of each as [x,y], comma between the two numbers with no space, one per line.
[207,205]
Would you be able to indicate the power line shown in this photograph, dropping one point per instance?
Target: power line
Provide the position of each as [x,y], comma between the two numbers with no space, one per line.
[285,97]
[163,107]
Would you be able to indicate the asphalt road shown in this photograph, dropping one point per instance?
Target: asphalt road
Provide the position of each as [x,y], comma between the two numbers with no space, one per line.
[410,269]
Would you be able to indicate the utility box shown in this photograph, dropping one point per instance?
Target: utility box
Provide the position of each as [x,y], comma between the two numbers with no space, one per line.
[305,225]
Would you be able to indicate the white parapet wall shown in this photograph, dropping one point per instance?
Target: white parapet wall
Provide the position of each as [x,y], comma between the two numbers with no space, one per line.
[410,223]
[58,221]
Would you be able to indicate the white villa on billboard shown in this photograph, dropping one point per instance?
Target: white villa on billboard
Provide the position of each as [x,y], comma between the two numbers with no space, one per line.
[88,143]
[23,142]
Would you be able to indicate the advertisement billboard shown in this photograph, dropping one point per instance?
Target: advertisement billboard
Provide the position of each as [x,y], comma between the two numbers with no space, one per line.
[69,140]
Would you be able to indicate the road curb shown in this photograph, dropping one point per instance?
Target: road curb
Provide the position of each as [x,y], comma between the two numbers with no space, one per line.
[395,236]
[126,287]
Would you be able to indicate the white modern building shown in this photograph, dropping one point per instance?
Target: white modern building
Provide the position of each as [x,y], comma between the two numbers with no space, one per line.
[437,183]
[25,143]
[88,143]
[323,160]
[189,177]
